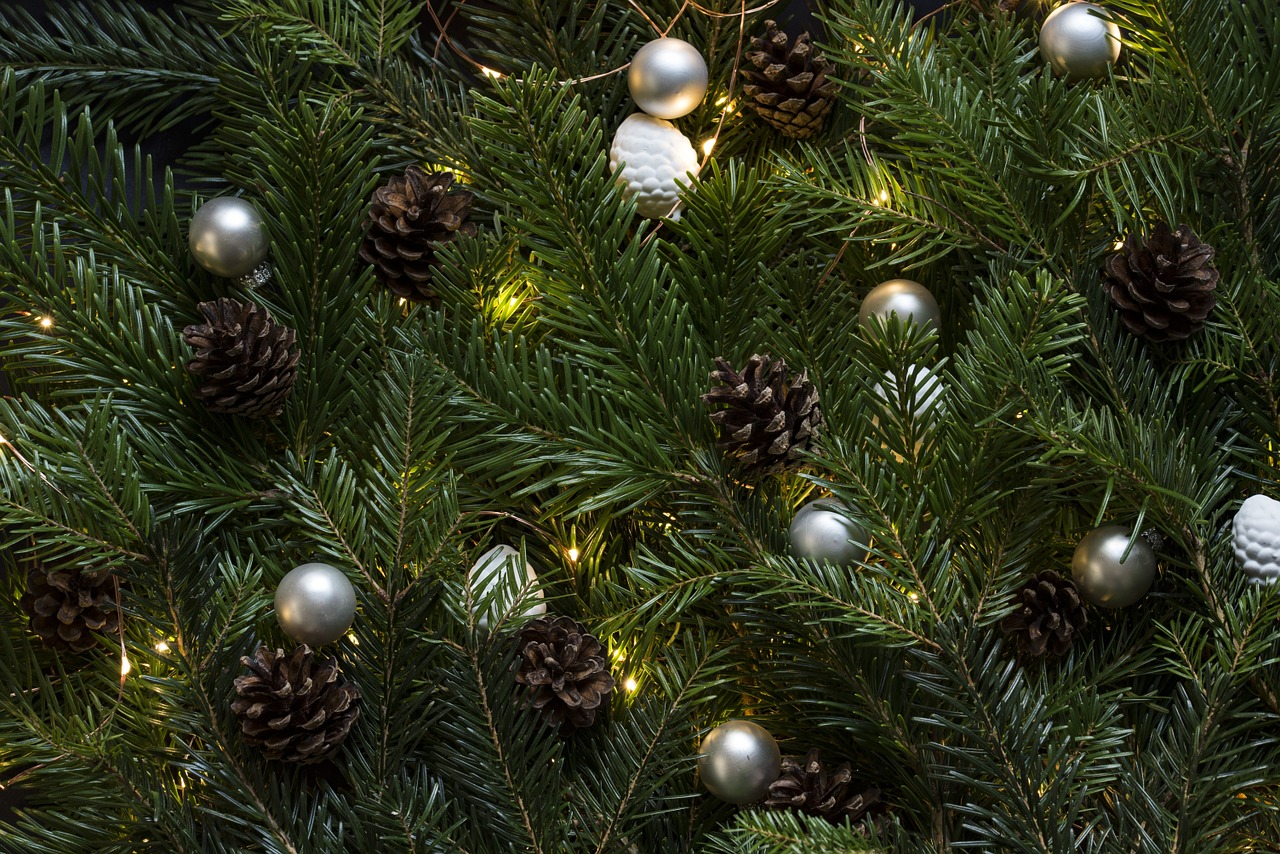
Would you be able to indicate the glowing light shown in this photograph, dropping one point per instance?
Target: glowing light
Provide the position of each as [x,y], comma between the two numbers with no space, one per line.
[1119,244]
[884,196]
[162,647]
[730,107]
[630,684]
[403,301]
[125,666]
[573,554]
[708,145]
[914,597]
[489,72]
[46,322]
[351,636]
[513,302]
[722,100]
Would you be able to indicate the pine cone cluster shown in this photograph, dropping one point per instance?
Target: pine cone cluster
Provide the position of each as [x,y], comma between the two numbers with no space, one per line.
[411,216]
[787,82]
[1163,284]
[296,708]
[245,363]
[69,609]
[806,787]
[566,671]
[1048,615]
[769,415]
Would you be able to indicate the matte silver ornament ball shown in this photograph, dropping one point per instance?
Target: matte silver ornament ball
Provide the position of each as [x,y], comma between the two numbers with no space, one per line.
[668,78]
[315,604]
[1079,40]
[1103,579]
[228,237]
[739,760]
[910,301]
[821,531]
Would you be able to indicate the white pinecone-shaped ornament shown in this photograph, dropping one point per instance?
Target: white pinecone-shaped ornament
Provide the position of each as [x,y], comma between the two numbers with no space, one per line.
[1256,534]
[656,155]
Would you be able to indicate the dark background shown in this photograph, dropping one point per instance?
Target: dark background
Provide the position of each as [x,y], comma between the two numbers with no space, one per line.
[166,147]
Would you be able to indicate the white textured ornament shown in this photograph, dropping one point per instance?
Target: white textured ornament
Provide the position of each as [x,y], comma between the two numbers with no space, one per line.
[656,155]
[1256,535]
[926,390]
[496,576]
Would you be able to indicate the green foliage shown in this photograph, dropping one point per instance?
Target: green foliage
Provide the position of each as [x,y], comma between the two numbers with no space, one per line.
[550,401]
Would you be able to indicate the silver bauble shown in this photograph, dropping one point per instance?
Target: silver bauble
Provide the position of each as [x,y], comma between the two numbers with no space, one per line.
[1076,42]
[822,530]
[1100,575]
[910,301]
[1255,535]
[739,759]
[668,78]
[228,237]
[498,577]
[315,604]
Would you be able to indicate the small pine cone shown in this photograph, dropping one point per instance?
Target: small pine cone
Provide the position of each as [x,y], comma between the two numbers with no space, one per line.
[806,787]
[411,217]
[1163,285]
[245,363]
[566,670]
[769,417]
[1048,616]
[66,609]
[788,85]
[297,709]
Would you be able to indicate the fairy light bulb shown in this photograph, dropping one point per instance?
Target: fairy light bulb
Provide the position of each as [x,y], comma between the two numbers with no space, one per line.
[125,666]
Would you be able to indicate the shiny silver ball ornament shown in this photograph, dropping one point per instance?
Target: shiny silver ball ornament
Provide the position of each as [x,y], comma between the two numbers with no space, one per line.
[910,301]
[1078,40]
[822,530]
[739,760]
[1103,579]
[228,237]
[315,604]
[668,78]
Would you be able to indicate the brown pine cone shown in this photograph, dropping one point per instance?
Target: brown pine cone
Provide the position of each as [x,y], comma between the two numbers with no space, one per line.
[769,416]
[1048,615]
[1163,285]
[806,787]
[297,709]
[67,609]
[566,670]
[411,216]
[245,363]
[788,85]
